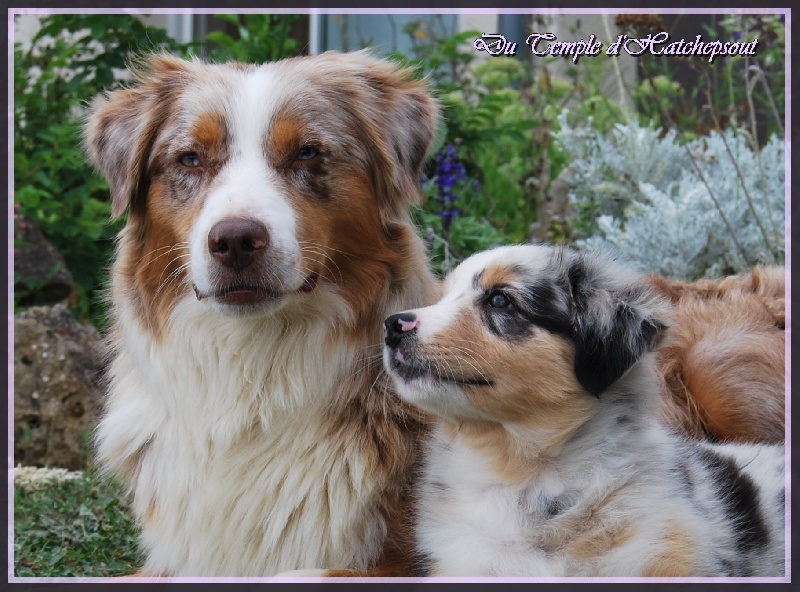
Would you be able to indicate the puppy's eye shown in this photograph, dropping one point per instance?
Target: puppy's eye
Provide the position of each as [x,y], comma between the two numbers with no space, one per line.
[307,153]
[498,300]
[190,160]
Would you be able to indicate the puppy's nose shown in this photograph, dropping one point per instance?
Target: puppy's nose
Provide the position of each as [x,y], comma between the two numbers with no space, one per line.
[398,326]
[237,242]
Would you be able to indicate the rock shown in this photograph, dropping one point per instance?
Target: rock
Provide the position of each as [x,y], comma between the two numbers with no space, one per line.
[40,275]
[57,385]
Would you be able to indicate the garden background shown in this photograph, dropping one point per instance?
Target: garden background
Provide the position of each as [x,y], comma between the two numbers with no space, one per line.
[675,163]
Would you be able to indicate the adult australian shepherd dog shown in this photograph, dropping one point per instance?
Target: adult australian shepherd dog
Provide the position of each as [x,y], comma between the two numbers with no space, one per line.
[551,457]
[268,235]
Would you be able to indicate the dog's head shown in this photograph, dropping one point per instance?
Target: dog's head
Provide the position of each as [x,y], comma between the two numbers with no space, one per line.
[255,186]
[523,333]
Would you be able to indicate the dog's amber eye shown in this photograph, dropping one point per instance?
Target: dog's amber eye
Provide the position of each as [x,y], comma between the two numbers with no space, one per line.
[190,160]
[307,153]
[498,300]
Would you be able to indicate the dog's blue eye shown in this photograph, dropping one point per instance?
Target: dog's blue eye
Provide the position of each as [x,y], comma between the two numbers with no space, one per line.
[190,160]
[307,153]
[498,300]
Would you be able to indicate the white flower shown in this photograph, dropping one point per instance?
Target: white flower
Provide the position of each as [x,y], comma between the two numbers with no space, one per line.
[32,478]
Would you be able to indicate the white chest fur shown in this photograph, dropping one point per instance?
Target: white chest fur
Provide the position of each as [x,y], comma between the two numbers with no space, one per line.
[469,522]
[238,471]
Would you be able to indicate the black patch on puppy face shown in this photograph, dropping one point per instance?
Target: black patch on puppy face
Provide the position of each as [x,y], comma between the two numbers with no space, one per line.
[611,334]
[582,297]
[608,314]
[545,305]
[741,500]
[602,357]
[541,303]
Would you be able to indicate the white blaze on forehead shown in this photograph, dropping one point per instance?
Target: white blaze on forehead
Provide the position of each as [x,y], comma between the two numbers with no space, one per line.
[247,186]
[460,290]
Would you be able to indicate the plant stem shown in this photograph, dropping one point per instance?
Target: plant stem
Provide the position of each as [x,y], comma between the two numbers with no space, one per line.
[754,132]
[615,62]
[717,205]
[747,195]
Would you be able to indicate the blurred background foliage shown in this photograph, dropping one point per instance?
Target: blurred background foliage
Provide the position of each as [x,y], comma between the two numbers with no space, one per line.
[503,169]
[71,59]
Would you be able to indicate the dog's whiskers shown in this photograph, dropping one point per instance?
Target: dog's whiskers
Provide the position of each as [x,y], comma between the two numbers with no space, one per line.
[472,355]
[172,277]
[168,248]
[322,259]
[323,249]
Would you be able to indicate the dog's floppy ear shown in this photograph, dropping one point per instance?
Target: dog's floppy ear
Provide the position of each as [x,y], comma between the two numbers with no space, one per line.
[120,128]
[616,319]
[402,119]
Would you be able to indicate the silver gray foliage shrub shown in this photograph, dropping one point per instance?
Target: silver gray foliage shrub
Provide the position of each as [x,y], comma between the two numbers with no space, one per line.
[682,210]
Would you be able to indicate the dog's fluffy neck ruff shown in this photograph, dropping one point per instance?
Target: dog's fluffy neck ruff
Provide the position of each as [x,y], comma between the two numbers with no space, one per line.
[277,356]
[260,403]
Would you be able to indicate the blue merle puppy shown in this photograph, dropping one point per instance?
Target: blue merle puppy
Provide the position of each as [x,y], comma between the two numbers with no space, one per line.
[549,458]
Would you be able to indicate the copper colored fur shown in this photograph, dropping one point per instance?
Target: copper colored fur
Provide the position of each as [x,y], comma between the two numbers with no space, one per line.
[723,362]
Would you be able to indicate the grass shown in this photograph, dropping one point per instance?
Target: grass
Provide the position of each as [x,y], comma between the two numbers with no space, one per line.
[78,526]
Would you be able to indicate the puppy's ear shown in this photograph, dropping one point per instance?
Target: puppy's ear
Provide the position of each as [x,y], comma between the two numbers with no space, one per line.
[402,119]
[121,126]
[616,319]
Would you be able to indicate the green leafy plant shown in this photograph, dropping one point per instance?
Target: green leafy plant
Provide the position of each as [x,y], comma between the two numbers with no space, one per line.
[260,38]
[733,91]
[71,59]
[499,115]
[73,527]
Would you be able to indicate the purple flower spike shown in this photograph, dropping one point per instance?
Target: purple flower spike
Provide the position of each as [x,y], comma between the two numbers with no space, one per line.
[449,173]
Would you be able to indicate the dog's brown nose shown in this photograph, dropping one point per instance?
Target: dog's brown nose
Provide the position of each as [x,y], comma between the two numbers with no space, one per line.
[237,242]
[398,326]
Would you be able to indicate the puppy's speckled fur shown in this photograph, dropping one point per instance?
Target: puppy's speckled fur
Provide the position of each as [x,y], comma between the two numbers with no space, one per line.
[550,458]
